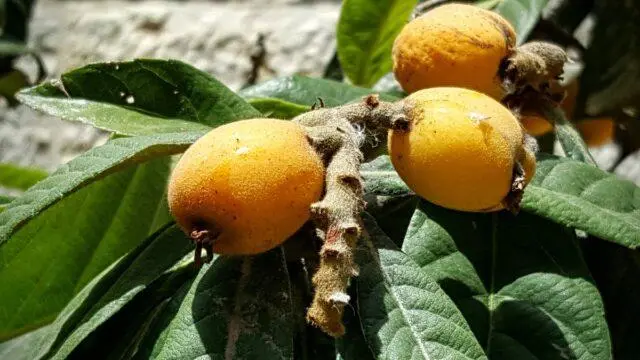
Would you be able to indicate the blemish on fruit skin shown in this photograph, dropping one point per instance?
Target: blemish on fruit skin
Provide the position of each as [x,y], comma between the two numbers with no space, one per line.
[477,117]
[242,150]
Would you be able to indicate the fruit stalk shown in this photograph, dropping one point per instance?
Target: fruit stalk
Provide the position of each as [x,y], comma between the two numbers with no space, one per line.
[341,135]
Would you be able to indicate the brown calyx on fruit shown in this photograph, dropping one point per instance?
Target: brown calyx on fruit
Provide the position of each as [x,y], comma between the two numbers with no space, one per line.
[536,64]
[204,239]
[512,201]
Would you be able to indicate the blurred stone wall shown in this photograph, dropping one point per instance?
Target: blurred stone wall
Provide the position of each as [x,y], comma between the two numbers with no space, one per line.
[217,37]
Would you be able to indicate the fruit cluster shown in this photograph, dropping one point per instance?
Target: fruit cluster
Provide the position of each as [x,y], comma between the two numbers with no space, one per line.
[246,187]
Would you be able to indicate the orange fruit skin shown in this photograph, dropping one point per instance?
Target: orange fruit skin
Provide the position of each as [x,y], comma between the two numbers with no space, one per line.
[460,150]
[453,45]
[598,131]
[535,123]
[253,180]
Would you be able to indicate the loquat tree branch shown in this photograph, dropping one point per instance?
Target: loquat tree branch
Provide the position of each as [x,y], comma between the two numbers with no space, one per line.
[342,136]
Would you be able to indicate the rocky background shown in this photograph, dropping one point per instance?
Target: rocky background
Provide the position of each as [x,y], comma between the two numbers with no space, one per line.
[218,37]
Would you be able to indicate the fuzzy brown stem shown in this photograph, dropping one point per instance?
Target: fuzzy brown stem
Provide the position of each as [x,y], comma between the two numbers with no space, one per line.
[338,216]
[341,135]
[371,118]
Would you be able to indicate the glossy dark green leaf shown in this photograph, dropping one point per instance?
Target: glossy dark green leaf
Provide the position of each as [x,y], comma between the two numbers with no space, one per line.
[305,91]
[237,308]
[155,275]
[522,14]
[20,177]
[96,163]
[520,282]
[404,311]
[277,108]
[366,31]
[582,196]
[140,97]
[55,255]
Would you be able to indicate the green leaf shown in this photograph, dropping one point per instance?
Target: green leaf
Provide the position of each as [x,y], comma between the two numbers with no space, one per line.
[366,31]
[158,252]
[5,199]
[21,347]
[305,91]
[155,275]
[392,213]
[520,282]
[20,177]
[382,179]
[238,307]
[487,4]
[570,140]
[403,311]
[279,109]
[94,164]
[522,14]
[582,196]
[10,83]
[140,97]
[54,256]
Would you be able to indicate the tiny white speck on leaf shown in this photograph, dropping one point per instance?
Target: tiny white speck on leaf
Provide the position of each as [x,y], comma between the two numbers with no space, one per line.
[117,67]
[130,99]
[175,92]
[122,94]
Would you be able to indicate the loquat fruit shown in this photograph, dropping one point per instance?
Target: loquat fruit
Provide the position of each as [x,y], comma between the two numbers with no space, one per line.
[453,45]
[597,131]
[247,185]
[461,149]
